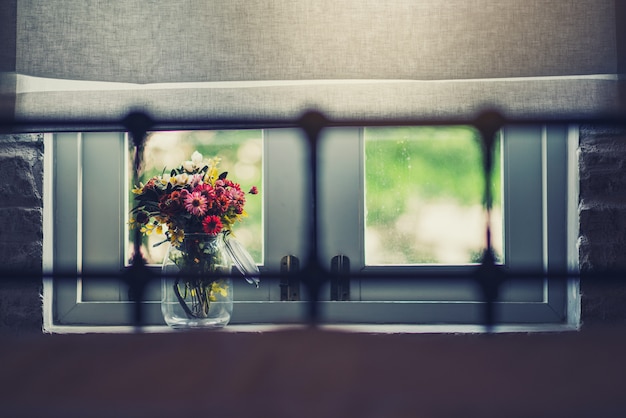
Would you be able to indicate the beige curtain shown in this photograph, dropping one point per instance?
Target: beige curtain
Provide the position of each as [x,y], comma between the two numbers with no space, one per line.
[267,58]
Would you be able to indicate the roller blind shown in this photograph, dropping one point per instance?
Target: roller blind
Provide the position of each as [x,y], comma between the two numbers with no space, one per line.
[275,58]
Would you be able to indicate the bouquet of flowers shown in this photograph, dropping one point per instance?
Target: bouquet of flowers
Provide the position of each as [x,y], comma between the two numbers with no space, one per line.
[195,207]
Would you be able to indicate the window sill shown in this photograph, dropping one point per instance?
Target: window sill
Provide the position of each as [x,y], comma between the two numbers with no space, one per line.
[348,328]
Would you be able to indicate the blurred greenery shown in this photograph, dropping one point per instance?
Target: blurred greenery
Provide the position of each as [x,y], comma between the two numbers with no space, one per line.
[428,162]
[404,165]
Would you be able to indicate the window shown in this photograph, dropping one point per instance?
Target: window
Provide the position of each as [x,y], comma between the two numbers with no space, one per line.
[537,180]
[424,196]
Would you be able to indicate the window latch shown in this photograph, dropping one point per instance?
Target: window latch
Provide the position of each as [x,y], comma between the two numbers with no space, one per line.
[289,281]
[340,281]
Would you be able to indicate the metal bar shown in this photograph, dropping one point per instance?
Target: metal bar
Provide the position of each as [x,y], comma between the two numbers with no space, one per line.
[312,274]
[138,275]
[488,274]
[492,117]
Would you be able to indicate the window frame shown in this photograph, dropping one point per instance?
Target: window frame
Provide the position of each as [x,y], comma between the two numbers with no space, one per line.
[65,311]
[555,176]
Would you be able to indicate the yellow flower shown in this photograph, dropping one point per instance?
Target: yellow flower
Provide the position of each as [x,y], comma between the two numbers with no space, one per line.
[212,173]
[214,162]
[138,190]
[176,236]
[219,287]
[147,229]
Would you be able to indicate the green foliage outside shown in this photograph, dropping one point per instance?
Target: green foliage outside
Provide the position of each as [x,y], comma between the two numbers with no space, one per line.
[429,162]
[409,166]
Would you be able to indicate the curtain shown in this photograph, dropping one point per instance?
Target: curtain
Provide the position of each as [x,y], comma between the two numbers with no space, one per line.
[97,59]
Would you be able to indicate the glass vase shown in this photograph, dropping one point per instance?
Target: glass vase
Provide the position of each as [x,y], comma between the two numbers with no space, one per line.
[197,291]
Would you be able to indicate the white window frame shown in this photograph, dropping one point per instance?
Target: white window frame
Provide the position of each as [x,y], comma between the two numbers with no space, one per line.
[549,245]
[68,308]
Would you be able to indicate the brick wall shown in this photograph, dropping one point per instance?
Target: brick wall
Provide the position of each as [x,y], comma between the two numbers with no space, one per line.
[602,242]
[21,230]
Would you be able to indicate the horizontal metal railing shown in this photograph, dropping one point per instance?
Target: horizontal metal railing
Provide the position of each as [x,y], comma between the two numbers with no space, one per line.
[488,274]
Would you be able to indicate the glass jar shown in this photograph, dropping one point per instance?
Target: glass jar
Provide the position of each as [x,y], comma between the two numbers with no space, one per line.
[197,291]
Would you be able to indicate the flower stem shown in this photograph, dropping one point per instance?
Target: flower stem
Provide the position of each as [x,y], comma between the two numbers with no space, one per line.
[182,301]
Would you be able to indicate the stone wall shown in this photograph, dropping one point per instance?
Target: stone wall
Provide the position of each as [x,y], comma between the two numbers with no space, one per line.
[21,231]
[602,242]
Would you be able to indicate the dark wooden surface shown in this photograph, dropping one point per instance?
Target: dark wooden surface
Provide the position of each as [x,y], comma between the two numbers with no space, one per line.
[313,373]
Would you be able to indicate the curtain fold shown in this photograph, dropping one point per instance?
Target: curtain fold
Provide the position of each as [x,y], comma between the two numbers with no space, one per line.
[517,98]
[352,58]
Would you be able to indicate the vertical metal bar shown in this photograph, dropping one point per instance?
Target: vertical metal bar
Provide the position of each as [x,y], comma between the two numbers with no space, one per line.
[138,276]
[488,275]
[312,123]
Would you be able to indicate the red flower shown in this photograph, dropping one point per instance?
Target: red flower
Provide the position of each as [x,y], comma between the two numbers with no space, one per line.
[151,184]
[254,190]
[142,217]
[212,225]
[207,191]
[170,204]
[219,190]
[222,203]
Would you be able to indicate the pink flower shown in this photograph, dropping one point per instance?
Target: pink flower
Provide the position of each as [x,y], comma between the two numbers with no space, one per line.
[196,204]
[212,225]
[219,190]
[206,190]
[254,190]
[195,180]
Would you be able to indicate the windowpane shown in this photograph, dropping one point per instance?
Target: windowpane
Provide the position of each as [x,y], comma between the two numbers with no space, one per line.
[240,153]
[424,193]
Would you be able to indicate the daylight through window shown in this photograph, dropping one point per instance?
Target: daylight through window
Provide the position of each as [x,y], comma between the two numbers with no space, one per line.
[424,196]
